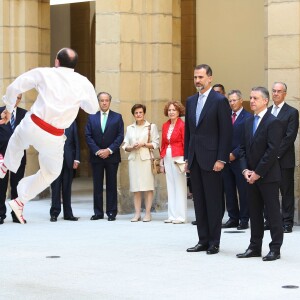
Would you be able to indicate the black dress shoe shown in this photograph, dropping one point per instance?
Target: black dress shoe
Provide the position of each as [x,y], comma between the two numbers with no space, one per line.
[249,253]
[96,217]
[230,224]
[71,218]
[194,222]
[53,219]
[242,226]
[1,220]
[212,250]
[111,218]
[287,228]
[197,248]
[272,255]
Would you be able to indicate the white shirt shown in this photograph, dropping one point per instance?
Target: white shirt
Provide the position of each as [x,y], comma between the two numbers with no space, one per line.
[61,92]
[261,115]
[278,109]
[237,113]
[205,95]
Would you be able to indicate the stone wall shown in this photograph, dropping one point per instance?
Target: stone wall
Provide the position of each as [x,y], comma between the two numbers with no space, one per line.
[282,59]
[138,61]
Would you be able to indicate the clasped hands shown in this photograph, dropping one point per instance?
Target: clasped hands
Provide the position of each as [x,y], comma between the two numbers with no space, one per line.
[250,176]
[103,153]
[5,117]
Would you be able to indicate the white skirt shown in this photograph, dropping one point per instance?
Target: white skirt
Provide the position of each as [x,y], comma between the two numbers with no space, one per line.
[140,175]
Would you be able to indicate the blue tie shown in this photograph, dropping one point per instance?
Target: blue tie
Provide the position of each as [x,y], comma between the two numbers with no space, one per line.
[12,121]
[199,107]
[255,123]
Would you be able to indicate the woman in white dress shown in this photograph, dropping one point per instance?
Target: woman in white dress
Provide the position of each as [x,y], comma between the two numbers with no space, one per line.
[138,140]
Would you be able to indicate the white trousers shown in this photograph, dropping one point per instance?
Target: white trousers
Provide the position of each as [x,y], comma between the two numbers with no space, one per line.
[50,157]
[177,189]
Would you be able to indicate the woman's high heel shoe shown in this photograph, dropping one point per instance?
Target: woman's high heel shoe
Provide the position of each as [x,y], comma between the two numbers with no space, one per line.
[147,218]
[136,219]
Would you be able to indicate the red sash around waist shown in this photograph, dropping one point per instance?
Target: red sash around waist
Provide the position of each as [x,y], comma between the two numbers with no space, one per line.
[47,127]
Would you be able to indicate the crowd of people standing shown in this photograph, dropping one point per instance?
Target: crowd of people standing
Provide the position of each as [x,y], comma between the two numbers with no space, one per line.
[225,149]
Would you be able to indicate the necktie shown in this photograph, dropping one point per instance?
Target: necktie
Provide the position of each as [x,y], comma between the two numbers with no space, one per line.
[12,121]
[275,110]
[233,117]
[103,122]
[255,123]
[199,108]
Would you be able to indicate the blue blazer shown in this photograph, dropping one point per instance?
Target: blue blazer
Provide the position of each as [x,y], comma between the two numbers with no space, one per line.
[72,147]
[111,138]
[6,131]
[238,133]
[211,139]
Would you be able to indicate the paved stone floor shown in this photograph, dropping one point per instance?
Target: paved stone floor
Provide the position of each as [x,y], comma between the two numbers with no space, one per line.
[124,260]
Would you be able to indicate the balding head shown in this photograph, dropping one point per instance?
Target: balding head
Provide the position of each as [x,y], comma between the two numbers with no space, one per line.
[66,57]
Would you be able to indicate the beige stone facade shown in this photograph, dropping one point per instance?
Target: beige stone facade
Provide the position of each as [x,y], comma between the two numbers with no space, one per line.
[144,51]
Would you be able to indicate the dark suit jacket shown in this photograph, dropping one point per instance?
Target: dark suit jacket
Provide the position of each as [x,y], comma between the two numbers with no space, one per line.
[259,152]
[210,140]
[112,137]
[6,131]
[72,147]
[238,133]
[289,117]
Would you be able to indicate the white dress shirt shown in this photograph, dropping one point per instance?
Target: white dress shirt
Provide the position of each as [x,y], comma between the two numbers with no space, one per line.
[61,92]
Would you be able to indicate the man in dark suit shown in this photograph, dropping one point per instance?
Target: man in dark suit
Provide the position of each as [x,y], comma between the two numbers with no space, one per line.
[237,206]
[260,167]
[208,134]
[62,186]
[289,117]
[6,130]
[104,135]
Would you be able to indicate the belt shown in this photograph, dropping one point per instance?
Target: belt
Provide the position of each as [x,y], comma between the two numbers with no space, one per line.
[47,127]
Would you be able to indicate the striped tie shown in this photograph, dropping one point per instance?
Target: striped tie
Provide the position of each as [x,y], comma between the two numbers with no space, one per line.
[12,121]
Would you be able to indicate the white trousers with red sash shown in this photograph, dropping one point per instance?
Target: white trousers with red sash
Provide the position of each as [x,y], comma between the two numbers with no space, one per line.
[50,157]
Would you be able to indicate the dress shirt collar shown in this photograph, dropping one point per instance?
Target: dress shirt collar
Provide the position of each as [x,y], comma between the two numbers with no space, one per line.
[237,112]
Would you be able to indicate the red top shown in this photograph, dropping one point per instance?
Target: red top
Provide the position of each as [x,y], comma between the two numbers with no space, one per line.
[176,141]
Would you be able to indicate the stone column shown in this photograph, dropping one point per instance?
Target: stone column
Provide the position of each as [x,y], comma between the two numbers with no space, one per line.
[282,35]
[138,61]
[24,44]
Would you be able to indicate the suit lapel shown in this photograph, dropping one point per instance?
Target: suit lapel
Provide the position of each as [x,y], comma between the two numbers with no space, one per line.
[193,108]
[260,125]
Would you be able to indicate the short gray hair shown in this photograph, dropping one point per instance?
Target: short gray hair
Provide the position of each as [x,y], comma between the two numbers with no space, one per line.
[264,91]
[237,92]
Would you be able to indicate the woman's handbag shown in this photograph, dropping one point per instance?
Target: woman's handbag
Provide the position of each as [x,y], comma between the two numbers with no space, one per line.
[180,164]
[155,156]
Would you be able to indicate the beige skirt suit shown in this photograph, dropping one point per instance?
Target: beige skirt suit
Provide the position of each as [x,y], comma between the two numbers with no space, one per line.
[139,161]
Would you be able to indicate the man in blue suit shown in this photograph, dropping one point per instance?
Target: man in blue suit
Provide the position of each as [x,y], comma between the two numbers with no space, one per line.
[104,135]
[6,131]
[260,166]
[208,136]
[237,206]
[62,186]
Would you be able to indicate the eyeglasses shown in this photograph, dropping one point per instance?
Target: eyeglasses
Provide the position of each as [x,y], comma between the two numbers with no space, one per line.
[278,91]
